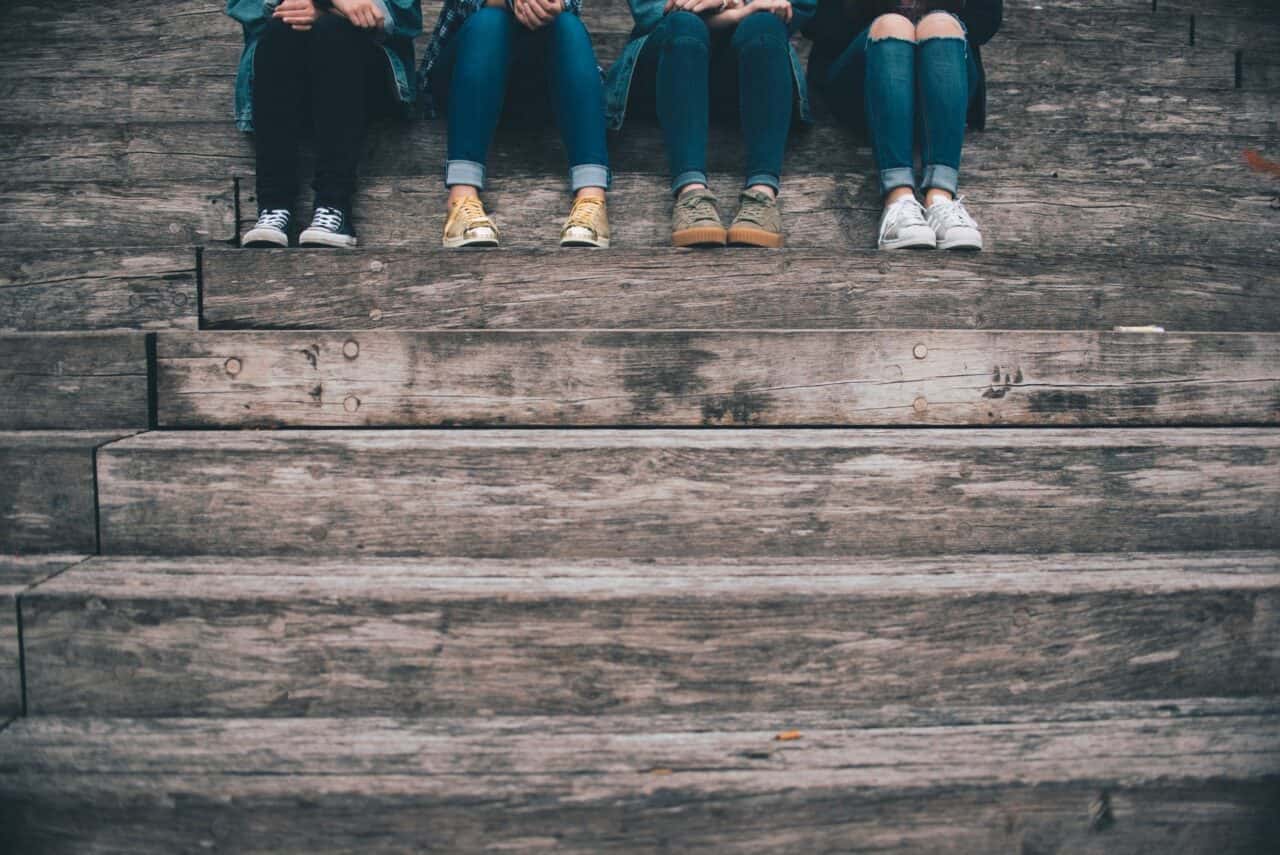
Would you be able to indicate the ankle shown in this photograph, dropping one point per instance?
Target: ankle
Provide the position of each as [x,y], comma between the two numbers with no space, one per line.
[765,188]
[589,193]
[896,195]
[689,188]
[459,192]
[934,196]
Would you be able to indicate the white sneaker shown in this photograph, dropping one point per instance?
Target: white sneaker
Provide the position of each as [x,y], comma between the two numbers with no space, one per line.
[272,229]
[903,226]
[953,226]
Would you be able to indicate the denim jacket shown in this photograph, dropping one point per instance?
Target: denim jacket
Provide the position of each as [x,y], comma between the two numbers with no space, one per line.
[402,23]
[647,14]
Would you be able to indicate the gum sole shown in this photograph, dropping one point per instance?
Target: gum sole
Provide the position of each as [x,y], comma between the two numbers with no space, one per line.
[745,236]
[702,236]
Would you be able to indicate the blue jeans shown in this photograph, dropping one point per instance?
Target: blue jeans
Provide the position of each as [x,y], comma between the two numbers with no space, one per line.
[471,78]
[683,60]
[901,92]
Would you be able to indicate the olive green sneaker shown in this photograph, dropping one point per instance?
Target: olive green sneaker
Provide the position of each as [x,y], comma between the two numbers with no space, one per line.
[695,220]
[758,222]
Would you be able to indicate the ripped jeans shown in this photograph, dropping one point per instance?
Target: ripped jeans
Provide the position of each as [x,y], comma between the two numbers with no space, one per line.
[901,92]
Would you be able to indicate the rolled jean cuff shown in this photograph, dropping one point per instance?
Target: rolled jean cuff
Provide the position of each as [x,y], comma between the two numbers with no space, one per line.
[589,175]
[692,176]
[939,177]
[464,172]
[765,178]
[899,176]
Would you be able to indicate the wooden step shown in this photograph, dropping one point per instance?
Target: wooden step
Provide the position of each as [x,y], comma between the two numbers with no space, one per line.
[842,210]
[17,574]
[689,493]
[82,380]
[253,637]
[64,289]
[690,378]
[1016,149]
[1112,777]
[48,490]
[90,215]
[793,289]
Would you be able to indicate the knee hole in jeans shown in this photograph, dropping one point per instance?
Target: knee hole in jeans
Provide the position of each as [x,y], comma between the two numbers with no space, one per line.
[939,25]
[892,26]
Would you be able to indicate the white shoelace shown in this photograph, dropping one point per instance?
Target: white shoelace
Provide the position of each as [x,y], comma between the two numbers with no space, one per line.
[952,213]
[904,212]
[273,218]
[329,219]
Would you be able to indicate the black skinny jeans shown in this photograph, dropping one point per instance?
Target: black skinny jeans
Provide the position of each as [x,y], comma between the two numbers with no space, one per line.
[340,77]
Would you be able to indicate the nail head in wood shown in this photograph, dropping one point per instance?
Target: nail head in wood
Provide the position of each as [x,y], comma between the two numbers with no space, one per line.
[233,366]
[920,405]
[375,314]
[351,404]
[919,351]
[351,349]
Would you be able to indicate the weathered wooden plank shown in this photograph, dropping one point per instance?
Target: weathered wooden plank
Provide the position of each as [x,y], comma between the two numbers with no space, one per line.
[17,574]
[792,289]
[82,381]
[578,785]
[213,150]
[827,210]
[47,490]
[691,493]
[89,215]
[122,637]
[63,289]
[688,378]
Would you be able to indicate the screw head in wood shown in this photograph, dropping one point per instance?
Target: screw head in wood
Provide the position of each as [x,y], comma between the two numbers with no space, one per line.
[919,351]
[351,404]
[351,349]
[232,366]
[920,405]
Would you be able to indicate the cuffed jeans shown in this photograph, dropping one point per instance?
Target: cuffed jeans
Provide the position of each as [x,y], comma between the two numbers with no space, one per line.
[472,79]
[681,63]
[900,92]
[342,78]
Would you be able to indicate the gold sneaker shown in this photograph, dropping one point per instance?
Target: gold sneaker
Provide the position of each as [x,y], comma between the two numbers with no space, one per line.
[469,225]
[588,224]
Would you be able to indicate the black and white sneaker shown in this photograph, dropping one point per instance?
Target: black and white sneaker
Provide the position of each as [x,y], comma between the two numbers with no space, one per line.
[329,227]
[272,229]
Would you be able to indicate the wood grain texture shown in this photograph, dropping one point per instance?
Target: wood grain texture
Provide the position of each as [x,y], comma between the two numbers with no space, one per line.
[792,289]
[689,378]
[171,151]
[124,637]
[1111,784]
[60,289]
[84,215]
[47,490]
[692,493]
[833,210]
[80,381]
[17,574]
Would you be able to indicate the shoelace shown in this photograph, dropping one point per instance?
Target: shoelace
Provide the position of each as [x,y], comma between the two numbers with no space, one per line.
[904,212]
[473,214]
[583,214]
[274,218]
[699,205]
[953,213]
[329,219]
[754,209]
